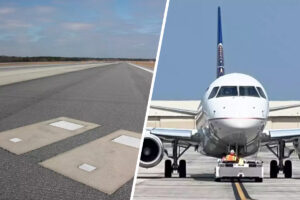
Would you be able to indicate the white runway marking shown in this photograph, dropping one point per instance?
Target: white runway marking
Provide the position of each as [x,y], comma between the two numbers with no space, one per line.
[148,70]
[127,140]
[66,125]
[15,140]
[87,167]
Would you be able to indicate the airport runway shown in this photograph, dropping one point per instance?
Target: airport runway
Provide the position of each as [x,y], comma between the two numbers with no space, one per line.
[200,182]
[102,99]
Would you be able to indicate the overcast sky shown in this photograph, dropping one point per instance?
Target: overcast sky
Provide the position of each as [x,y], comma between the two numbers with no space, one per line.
[261,38]
[90,28]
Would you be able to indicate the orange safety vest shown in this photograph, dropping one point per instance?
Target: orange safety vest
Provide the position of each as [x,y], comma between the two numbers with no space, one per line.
[230,158]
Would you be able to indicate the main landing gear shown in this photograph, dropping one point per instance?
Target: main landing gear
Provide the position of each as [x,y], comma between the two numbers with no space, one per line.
[281,152]
[177,153]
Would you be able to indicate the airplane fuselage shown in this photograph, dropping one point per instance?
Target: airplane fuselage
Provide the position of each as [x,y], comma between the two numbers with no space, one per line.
[235,110]
[232,116]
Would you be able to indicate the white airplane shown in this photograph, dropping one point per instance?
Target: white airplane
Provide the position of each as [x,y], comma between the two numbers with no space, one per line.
[232,115]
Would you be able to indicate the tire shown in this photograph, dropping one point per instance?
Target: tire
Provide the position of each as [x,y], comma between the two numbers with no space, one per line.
[273,169]
[287,169]
[259,180]
[218,179]
[168,169]
[182,169]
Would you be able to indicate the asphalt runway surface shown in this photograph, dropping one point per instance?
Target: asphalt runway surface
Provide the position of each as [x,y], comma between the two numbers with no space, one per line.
[200,183]
[113,96]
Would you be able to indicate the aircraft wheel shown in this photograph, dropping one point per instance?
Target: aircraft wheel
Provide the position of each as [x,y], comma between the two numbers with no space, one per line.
[168,168]
[260,180]
[273,169]
[182,169]
[287,169]
[218,179]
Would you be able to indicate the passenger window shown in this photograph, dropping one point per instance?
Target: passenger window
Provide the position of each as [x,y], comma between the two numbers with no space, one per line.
[227,91]
[213,92]
[261,92]
[248,91]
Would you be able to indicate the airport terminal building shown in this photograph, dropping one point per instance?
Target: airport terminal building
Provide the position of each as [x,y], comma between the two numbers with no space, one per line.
[283,118]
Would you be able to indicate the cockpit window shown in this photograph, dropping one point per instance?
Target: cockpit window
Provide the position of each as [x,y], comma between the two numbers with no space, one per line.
[213,92]
[227,91]
[261,92]
[248,91]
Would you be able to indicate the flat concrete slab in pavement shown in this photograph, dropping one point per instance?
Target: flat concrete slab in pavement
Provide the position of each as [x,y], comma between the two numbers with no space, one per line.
[102,164]
[34,136]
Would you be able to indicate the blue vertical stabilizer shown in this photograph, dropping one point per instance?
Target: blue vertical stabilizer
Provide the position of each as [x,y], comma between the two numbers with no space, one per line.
[220,39]
[220,54]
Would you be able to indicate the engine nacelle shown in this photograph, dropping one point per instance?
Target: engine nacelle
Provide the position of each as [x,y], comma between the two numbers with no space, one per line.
[152,151]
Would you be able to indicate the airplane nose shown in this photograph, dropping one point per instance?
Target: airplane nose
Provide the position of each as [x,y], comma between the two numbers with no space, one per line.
[241,123]
[237,130]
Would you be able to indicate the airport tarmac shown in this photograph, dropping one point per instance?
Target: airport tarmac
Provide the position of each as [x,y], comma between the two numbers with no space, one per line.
[200,183]
[61,118]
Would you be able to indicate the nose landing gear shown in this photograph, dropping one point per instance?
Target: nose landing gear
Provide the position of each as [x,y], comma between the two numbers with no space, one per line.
[281,152]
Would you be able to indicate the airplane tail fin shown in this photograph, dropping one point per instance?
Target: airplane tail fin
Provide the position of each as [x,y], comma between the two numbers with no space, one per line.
[220,55]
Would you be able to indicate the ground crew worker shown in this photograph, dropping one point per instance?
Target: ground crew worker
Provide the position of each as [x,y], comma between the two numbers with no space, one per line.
[231,157]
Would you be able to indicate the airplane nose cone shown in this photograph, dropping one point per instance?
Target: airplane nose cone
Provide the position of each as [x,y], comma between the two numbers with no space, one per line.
[232,124]
[241,123]
[237,130]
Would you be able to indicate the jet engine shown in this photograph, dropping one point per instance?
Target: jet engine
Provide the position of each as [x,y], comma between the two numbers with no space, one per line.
[152,151]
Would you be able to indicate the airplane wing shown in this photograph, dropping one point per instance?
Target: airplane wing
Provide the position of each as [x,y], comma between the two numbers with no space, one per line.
[171,133]
[288,135]
[183,111]
[283,107]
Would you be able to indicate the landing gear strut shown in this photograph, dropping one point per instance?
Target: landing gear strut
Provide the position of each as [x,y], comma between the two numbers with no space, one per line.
[177,153]
[279,152]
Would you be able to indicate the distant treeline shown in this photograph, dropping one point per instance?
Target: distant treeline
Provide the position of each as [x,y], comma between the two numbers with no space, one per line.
[50,58]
